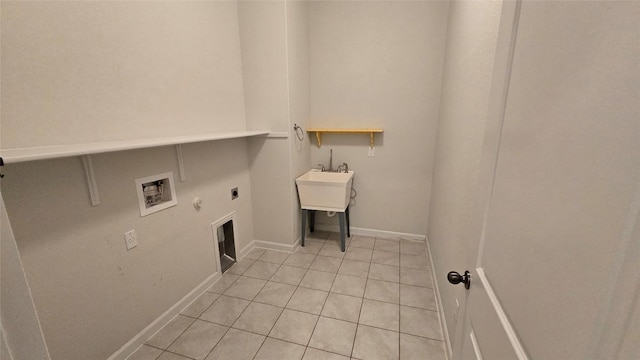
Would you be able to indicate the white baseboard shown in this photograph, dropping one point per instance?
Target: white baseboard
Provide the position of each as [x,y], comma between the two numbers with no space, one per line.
[269,245]
[130,347]
[373,232]
[443,323]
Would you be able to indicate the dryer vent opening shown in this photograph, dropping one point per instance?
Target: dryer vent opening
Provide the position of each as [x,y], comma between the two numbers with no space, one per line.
[226,245]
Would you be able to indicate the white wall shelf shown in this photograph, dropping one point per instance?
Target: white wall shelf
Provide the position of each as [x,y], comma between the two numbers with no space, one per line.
[59,151]
[320,131]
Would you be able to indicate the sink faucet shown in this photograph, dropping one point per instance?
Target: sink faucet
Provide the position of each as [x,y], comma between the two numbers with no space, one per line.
[344,167]
[330,160]
[322,167]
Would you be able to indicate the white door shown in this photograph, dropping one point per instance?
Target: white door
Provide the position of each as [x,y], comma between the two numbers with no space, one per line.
[555,271]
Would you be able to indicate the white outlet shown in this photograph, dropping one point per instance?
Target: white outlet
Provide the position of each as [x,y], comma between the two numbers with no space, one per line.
[130,239]
[372,151]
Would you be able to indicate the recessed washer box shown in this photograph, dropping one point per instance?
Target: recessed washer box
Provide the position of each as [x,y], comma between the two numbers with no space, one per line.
[156,193]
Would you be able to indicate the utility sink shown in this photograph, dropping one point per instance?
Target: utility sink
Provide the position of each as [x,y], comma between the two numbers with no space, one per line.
[324,190]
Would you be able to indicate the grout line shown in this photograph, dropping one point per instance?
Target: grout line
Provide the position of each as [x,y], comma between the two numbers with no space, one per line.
[329,292]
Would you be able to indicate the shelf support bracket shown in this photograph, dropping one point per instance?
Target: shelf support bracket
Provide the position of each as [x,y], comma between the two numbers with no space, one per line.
[87,163]
[319,137]
[183,175]
[371,139]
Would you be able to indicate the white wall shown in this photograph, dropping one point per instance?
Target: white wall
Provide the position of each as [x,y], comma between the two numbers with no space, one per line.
[81,72]
[379,64]
[93,295]
[274,40]
[298,70]
[75,72]
[264,64]
[468,68]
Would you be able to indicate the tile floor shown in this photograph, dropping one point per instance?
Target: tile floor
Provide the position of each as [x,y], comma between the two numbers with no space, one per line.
[375,301]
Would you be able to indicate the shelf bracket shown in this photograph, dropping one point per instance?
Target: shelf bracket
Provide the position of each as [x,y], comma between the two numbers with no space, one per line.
[319,138]
[371,139]
[87,163]
[183,175]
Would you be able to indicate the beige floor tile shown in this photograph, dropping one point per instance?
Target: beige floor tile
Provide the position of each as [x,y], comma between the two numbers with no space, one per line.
[364,242]
[384,273]
[198,340]
[172,356]
[310,247]
[342,307]
[321,235]
[273,256]
[333,335]
[380,314]
[245,287]
[414,261]
[417,296]
[416,277]
[418,348]
[319,280]
[315,354]
[307,300]
[274,349]
[413,247]
[291,275]
[386,258]
[240,267]
[170,332]
[199,305]
[223,283]
[325,263]
[274,293]
[354,268]
[258,318]
[261,270]
[225,310]
[420,322]
[349,285]
[331,249]
[382,291]
[300,260]
[294,326]
[145,352]
[360,254]
[387,245]
[376,344]
[237,345]
[254,254]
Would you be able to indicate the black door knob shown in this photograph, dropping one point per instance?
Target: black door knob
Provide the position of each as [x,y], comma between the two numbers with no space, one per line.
[455,278]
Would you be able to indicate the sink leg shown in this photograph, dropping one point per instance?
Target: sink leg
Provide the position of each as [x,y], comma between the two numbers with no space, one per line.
[348,226]
[341,220]
[312,220]
[304,224]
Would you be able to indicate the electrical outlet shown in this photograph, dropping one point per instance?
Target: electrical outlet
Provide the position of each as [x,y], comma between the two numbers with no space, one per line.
[372,151]
[234,193]
[130,239]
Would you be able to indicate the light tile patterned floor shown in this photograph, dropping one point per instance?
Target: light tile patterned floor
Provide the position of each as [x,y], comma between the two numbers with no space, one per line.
[375,301]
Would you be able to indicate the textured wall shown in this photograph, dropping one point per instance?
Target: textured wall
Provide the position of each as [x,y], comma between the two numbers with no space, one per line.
[77,72]
[379,64]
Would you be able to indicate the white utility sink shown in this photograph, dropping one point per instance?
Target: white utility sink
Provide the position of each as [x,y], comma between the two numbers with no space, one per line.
[326,191]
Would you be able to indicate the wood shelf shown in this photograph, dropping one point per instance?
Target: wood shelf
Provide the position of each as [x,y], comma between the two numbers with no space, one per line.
[320,131]
[59,151]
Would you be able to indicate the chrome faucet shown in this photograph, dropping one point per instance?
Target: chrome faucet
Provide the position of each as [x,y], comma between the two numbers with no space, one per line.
[322,167]
[330,160]
[344,167]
